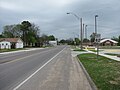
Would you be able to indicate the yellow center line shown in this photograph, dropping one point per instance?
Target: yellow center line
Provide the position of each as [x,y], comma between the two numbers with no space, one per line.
[11,61]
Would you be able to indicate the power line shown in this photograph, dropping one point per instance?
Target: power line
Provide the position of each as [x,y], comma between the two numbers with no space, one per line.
[104,26]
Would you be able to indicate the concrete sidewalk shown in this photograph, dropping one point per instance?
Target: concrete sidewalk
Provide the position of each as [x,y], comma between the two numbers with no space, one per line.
[84,76]
[108,56]
[26,49]
[79,76]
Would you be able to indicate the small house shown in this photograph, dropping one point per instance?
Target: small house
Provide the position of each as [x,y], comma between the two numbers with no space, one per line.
[10,43]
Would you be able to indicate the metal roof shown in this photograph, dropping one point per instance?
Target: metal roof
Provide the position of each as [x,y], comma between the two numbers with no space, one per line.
[108,40]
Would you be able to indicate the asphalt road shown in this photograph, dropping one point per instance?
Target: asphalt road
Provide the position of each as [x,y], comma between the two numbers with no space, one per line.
[22,64]
[46,69]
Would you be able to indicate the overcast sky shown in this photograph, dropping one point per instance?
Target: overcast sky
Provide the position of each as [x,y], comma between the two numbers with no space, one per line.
[51,17]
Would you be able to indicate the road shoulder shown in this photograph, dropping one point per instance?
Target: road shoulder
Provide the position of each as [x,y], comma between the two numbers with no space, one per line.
[92,84]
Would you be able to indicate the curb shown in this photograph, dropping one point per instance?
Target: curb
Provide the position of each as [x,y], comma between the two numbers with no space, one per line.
[19,51]
[92,84]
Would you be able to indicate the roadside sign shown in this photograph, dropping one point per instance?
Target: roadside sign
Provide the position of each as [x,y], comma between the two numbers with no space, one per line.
[98,37]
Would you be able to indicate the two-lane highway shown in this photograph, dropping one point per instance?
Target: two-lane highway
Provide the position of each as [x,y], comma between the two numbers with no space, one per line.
[46,69]
[22,64]
[12,56]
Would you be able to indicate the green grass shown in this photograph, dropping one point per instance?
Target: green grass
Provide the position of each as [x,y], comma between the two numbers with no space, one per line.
[104,72]
[78,50]
[9,50]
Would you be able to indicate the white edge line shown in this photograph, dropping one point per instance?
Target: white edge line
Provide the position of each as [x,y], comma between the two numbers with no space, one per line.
[36,71]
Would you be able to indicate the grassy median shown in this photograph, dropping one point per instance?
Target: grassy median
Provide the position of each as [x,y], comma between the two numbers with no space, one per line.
[112,54]
[78,50]
[104,72]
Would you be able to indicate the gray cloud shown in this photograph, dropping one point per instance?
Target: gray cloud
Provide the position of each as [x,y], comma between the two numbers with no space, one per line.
[51,17]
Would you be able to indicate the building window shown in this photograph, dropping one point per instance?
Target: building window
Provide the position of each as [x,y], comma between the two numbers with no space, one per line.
[6,44]
[2,44]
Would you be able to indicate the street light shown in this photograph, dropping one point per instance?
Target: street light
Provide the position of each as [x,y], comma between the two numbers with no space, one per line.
[96,25]
[83,30]
[80,20]
[96,36]
[86,31]
[74,15]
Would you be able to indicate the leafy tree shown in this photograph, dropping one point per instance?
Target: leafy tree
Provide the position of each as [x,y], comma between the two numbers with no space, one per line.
[1,36]
[12,31]
[62,41]
[85,40]
[116,39]
[33,35]
[44,39]
[26,30]
[51,38]
[92,37]
[77,41]
[70,41]
[29,33]
[119,41]
[25,27]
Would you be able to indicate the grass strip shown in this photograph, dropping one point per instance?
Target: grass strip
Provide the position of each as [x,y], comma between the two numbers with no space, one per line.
[112,54]
[104,72]
[9,50]
[78,50]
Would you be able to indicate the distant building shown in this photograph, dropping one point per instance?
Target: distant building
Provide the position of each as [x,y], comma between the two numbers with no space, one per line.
[108,42]
[10,43]
[53,43]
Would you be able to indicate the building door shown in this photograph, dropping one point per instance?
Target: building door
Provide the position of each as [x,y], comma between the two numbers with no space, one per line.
[12,45]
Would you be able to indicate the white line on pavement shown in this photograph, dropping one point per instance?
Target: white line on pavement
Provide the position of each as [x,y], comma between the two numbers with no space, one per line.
[37,70]
[25,57]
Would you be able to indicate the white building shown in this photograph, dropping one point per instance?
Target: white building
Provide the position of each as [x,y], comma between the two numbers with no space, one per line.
[108,42]
[53,43]
[10,43]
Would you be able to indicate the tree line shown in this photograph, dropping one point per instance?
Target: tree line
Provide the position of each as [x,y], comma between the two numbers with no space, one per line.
[28,32]
[76,41]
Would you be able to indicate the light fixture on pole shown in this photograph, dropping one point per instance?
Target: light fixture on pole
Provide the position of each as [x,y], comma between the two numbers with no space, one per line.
[96,36]
[86,31]
[80,20]
[83,30]
[96,25]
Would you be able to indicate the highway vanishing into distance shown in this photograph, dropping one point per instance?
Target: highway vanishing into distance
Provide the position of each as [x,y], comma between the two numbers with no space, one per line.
[42,69]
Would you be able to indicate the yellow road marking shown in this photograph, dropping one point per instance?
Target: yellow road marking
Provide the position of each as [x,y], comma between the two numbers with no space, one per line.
[24,57]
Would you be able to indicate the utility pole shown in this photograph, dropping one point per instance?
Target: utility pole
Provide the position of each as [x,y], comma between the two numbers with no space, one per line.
[81,32]
[86,31]
[96,36]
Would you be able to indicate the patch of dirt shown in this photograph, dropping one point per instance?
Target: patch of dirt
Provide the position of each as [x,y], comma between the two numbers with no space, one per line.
[114,82]
[117,79]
